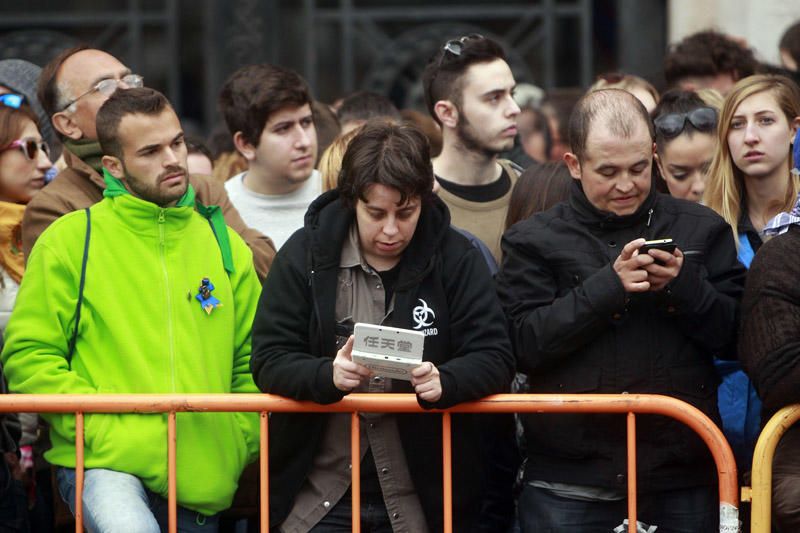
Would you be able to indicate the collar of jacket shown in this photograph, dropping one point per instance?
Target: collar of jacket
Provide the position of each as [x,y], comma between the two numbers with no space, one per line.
[589,215]
[143,216]
[77,164]
[212,213]
[328,221]
[88,151]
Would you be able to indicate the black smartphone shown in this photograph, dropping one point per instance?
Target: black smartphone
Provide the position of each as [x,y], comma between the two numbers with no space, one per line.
[659,244]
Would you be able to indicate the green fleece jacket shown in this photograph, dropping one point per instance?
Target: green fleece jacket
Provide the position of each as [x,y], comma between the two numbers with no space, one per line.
[141,331]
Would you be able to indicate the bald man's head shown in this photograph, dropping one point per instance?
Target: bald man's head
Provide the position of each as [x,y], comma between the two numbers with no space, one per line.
[617,110]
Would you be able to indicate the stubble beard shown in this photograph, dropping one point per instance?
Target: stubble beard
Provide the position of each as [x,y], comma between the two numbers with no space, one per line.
[153,193]
[471,143]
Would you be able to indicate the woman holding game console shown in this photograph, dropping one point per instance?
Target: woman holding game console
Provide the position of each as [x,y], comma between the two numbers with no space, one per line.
[378,250]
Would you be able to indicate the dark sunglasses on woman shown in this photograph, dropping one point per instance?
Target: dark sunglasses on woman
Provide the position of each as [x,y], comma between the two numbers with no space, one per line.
[703,119]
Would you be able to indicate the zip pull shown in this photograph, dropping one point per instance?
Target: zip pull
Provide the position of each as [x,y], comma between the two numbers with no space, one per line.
[161,217]
[311,279]
[649,217]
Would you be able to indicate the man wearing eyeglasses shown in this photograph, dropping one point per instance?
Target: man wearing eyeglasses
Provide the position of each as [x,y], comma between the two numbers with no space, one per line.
[72,87]
[593,311]
[469,91]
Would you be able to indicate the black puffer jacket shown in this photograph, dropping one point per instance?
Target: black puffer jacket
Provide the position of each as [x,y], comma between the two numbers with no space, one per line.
[294,346]
[575,330]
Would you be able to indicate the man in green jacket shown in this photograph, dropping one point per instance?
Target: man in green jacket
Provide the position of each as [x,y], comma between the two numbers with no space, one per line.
[168,301]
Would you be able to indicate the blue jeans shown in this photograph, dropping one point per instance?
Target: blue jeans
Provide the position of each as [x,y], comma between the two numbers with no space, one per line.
[692,510]
[116,502]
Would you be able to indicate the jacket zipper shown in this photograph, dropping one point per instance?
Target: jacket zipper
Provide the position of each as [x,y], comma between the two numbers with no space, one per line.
[163,253]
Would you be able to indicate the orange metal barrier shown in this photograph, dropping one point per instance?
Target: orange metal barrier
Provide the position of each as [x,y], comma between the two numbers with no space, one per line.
[761,491]
[629,404]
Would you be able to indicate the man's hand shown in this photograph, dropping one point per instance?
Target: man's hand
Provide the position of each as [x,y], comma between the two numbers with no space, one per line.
[347,375]
[665,268]
[630,266]
[426,382]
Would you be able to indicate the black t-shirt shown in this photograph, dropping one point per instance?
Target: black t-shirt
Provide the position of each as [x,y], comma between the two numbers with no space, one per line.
[479,193]
[389,279]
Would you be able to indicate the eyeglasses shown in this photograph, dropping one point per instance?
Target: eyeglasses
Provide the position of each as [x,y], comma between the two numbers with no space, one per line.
[107,87]
[12,100]
[703,119]
[29,147]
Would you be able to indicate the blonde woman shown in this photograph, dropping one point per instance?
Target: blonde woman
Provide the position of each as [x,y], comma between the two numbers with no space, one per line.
[749,182]
[330,162]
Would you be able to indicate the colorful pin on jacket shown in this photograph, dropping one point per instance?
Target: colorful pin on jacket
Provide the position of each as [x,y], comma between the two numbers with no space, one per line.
[207,301]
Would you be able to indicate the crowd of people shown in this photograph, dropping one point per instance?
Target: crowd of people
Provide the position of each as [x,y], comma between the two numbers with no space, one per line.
[642,243]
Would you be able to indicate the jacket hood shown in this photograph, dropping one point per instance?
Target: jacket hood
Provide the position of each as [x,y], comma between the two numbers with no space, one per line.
[327,222]
[588,214]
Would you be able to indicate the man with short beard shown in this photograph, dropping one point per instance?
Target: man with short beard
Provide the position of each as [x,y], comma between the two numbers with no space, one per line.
[72,87]
[166,294]
[468,90]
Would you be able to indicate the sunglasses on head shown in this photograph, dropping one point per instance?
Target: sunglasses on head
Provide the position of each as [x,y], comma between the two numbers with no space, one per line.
[12,100]
[703,119]
[456,46]
[29,147]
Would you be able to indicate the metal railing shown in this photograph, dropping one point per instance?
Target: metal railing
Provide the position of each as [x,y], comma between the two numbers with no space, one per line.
[760,491]
[629,404]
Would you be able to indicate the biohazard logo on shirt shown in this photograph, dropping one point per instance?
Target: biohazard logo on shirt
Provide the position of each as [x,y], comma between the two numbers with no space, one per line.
[423,318]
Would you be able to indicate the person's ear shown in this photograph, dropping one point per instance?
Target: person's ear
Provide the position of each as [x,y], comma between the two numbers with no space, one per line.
[114,166]
[447,113]
[795,126]
[64,124]
[243,146]
[573,165]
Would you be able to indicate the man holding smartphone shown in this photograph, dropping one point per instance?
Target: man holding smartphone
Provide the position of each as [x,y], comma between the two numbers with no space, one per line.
[592,311]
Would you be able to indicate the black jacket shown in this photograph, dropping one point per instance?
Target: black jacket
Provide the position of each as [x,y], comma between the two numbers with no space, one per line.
[294,346]
[575,330]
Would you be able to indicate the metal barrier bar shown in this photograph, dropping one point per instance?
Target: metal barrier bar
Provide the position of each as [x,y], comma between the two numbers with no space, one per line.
[355,469]
[172,471]
[761,502]
[447,474]
[632,473]
[79,472]
[263,466]
[390,403]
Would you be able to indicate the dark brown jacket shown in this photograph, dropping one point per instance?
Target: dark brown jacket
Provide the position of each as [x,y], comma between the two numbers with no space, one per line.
[769,336]
[79,186]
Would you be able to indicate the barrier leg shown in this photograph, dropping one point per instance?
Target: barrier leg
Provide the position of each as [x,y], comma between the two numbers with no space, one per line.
[172,482]
[264,472]
[632,518]
[447,474]
[355,460]
[79,472]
